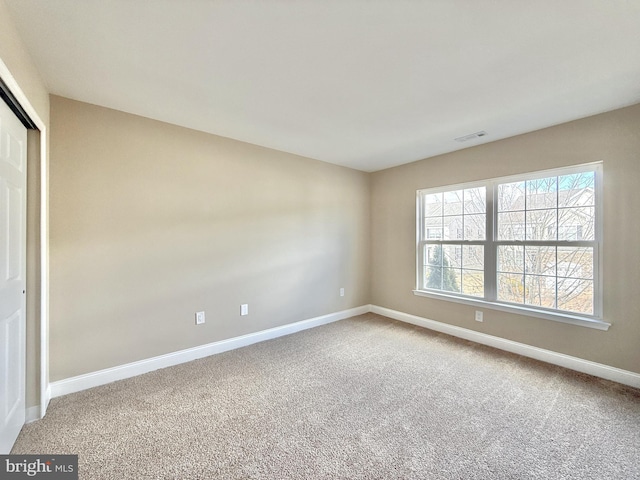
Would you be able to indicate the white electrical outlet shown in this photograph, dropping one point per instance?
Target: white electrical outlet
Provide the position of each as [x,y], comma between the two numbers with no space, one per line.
[244,309]
[199,318]
[342,292]
[479,316]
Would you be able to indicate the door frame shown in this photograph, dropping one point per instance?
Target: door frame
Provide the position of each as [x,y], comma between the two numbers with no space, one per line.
[43,321]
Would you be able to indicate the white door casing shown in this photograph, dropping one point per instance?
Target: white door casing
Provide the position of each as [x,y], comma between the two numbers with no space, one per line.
[13,200]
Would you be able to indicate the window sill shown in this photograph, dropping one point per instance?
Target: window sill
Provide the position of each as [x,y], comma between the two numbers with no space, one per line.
[530,312]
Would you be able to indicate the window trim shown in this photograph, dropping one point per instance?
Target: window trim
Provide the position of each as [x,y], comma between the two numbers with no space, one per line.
[491,247]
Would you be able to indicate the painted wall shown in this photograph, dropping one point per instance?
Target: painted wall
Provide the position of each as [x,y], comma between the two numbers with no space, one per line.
[152,222]
[16,58]
[612,137]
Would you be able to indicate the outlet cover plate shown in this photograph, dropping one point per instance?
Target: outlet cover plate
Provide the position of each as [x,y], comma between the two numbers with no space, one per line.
[199,318]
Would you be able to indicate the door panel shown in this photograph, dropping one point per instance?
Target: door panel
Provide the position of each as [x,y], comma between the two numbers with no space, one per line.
[13,166]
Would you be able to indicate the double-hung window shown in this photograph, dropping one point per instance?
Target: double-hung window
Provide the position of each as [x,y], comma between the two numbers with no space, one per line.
[528,244]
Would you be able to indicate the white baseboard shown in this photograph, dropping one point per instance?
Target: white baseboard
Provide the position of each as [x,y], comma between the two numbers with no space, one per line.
[32,414]
[37,412]
[102,377]
[47,399]
[573,363]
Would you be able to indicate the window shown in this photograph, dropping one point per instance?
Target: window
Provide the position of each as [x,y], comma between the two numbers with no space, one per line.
[528,244]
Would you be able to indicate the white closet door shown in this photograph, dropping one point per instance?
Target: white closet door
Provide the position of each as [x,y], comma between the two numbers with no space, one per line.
[13,221]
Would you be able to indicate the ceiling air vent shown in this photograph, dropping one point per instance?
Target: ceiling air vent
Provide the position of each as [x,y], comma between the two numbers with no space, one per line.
[471,136]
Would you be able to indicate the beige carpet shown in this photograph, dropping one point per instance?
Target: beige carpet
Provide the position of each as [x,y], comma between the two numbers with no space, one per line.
[364,398]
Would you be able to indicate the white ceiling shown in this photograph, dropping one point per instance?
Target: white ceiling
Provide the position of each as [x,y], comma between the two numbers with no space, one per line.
[365,84]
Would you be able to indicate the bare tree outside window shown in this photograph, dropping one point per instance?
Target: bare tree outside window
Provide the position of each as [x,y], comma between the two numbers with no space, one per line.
[537,233]
[553,209]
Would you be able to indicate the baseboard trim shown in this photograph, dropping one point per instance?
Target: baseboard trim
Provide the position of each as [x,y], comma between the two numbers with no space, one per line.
[108,375]
[102,377]
[37,412]
[573,363]
[32,414]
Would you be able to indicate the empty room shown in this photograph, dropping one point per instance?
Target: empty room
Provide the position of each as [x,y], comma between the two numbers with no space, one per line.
[347,239]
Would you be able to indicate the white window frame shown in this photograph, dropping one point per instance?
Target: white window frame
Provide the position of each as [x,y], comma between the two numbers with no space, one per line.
[491,248]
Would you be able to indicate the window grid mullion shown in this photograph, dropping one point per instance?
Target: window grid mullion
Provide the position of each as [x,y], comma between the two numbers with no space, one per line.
[526,230]
[549,243]
[556,298]
[558,220]
[524,261]
[490,249]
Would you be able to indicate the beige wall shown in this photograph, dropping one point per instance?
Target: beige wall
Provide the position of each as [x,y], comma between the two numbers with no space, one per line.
[34,266]
[17,60]
[613,138]
[15,56]
[152,222]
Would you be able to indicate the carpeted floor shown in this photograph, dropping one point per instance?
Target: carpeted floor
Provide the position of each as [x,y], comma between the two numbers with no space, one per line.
[364,398]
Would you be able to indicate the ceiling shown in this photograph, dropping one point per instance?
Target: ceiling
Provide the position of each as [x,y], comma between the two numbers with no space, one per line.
[365,84]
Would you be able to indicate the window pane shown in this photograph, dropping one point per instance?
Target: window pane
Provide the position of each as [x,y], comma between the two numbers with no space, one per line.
[473,283]
[575,262]
[540,291]
[433,205]
[576,190]
[576,223]
[540,260]
[475,227]
[510,288]
[475,200]
[453,202]
[452,256]
[433,228]
[432,255]
[541,224]
[575,295]
[453,228]
[473,256]
[511,259]
[542,193]
[451,280]
[511,196]
[433,277]
[435,255]
[442,271]
[511,226]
